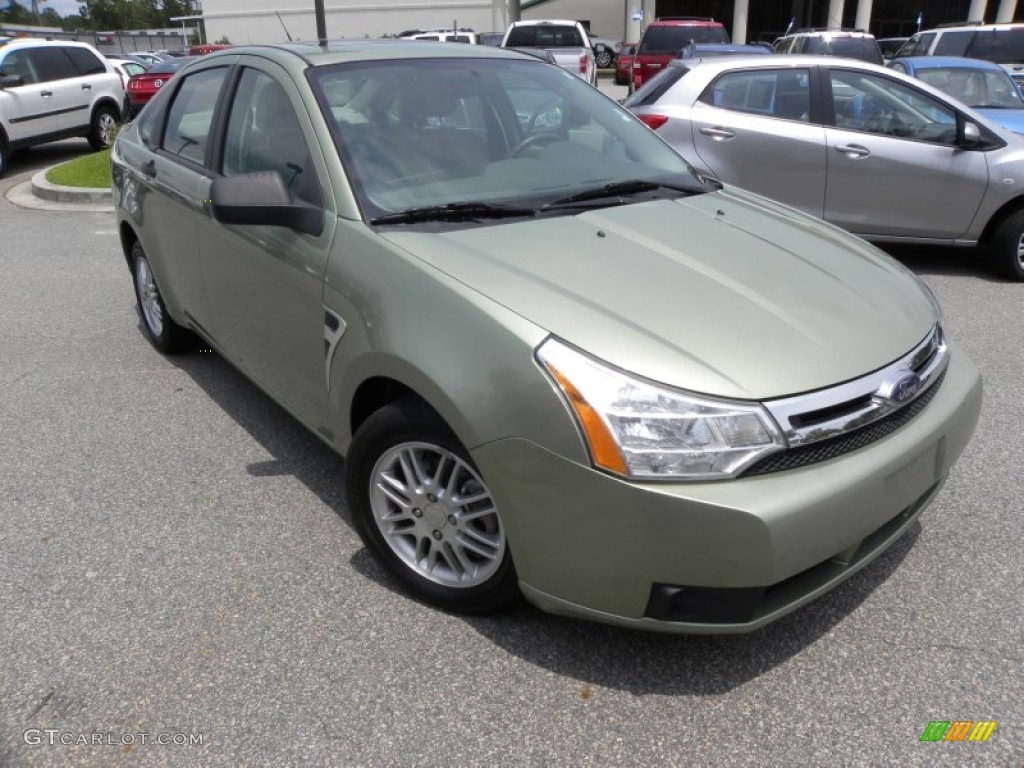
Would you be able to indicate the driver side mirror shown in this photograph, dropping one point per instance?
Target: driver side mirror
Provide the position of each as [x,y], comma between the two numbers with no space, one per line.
[262,198]
[11,81]
[970,136]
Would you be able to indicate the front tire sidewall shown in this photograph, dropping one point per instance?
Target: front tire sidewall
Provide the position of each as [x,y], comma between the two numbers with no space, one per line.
[1007,247]
[411,421]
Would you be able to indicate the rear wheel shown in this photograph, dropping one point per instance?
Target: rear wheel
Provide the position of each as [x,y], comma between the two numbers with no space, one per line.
[103,128]
[1007,246]
[162,332]
[4,154]
[424,510]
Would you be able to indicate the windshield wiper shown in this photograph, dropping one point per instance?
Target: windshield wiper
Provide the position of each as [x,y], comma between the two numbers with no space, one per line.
[453,212]
[616,190]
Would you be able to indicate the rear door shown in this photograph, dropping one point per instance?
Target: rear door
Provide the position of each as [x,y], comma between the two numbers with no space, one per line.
[893,165]
[753,128]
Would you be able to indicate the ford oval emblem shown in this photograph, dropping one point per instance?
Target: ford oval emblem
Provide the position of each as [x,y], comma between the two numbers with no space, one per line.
[900,387]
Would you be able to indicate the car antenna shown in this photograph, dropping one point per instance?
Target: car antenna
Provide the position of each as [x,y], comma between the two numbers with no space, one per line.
[321,22]
[278,14]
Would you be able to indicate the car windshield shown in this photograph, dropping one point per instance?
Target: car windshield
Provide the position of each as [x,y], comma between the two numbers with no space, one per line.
[460,135]
[671,40]
[974,87]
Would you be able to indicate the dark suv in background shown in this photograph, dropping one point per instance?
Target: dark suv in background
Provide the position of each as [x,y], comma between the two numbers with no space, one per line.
[665,38]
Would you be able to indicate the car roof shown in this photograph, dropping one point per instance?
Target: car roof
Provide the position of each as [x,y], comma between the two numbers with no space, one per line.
[311,54]
[685,22]
[942,62]
[540,22]
[36,42]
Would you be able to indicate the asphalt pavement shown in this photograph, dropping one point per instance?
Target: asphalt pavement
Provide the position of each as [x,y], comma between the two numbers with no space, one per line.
[180,582]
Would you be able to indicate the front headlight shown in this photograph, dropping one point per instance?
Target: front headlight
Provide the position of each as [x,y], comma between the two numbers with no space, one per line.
[639,430]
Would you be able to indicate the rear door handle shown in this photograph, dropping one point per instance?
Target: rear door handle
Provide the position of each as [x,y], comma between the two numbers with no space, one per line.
[718,134]
[853,150]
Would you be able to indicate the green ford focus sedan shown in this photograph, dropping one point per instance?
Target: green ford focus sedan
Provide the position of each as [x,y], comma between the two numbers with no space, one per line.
[558,363]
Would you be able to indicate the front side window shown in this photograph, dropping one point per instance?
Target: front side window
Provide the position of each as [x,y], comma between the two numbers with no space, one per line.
[917,45]
[16,63]
[191,114]
[782,93]
[264,134]
[498,132]
[879,105]
[954,43]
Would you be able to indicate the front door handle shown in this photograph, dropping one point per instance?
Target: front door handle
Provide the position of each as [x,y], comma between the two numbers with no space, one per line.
[718,134]
[86,87]
[46,93]
[853,151]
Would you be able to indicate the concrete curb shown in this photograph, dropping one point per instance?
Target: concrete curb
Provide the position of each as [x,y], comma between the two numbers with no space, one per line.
[55,193]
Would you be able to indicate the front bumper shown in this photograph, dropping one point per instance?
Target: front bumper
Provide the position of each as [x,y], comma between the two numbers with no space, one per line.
[595,546]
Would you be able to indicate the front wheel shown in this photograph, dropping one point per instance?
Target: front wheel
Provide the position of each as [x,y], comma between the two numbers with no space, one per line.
[424,510]
[1007,246]
[103,128]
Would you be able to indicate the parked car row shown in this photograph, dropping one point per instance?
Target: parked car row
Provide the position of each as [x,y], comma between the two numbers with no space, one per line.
[558,363]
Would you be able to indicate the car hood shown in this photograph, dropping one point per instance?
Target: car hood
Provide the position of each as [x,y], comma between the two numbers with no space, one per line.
[723,293]
[1011,119]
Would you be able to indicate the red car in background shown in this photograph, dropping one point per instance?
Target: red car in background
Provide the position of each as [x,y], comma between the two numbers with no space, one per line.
[664,38]
[141,88]
[624,63]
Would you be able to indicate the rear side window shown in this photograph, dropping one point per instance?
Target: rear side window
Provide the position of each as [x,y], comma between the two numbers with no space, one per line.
[953,43]
[85,61]
[671,40]
[998,45]
[783,93]
[51,63]
[191,114]
[545,37]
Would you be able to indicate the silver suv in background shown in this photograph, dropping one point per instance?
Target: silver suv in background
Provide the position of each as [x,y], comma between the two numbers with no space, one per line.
[849,43]
[52,90]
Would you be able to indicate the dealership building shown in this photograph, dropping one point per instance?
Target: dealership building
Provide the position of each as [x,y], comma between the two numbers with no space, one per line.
[268,21]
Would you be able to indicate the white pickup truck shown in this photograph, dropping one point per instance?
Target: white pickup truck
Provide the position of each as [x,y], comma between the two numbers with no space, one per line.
[566,40]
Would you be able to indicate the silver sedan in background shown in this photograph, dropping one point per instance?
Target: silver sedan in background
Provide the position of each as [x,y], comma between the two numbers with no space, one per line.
[863,147]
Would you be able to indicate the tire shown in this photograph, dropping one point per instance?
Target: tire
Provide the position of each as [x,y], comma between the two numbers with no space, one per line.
[103,128]
[449,551]
[4,155]
[604,59]
[162,332]
[1006,246]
